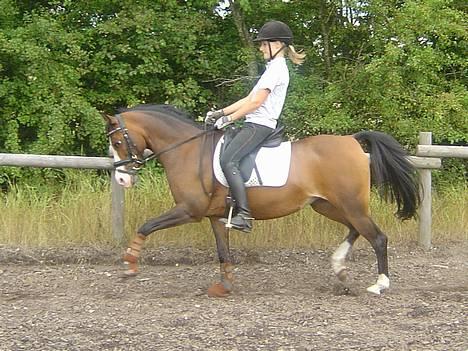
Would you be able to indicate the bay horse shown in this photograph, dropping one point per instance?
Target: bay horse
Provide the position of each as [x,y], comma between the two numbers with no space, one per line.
[330,173]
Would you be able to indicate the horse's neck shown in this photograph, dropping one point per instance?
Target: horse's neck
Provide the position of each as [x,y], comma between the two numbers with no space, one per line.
[161,135]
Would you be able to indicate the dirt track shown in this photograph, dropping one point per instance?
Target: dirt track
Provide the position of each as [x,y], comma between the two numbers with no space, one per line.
[74,300]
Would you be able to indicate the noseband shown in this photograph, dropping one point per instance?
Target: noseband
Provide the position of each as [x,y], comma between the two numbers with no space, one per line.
[131,148]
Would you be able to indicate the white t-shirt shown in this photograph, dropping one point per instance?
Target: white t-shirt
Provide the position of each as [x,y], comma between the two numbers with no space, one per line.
[276,80]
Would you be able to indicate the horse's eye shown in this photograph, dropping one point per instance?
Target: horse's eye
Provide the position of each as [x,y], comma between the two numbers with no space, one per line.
[118,143]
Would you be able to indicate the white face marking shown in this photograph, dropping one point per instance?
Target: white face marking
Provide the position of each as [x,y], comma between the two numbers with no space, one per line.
[123,179]
[339,256]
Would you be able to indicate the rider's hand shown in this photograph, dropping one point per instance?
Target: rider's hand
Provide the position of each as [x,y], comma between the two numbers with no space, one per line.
[212,116]
[223,122]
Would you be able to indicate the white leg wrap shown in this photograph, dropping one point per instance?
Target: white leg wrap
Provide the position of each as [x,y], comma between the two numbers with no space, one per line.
[382,283]
[339,256]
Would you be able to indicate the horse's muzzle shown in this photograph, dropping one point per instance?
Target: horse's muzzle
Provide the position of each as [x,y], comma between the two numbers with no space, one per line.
[125,178]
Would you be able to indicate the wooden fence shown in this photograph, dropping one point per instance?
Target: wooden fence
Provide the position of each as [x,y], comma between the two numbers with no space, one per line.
[425,148]
[48,161]
[427,159]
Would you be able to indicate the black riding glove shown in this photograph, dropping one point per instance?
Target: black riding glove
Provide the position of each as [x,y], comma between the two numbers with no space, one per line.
[212,116]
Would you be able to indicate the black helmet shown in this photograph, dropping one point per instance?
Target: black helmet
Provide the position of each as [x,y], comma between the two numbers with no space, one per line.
[275,30]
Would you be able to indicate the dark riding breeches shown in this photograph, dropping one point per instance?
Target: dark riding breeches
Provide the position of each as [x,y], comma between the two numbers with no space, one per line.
[247,139]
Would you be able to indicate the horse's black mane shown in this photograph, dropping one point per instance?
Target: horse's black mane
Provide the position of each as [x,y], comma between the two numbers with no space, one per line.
[169,110]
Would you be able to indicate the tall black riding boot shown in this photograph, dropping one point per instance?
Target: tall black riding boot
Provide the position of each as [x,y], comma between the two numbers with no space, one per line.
[242,220]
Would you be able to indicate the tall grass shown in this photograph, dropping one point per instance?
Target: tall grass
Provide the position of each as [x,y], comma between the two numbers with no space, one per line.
[78,213]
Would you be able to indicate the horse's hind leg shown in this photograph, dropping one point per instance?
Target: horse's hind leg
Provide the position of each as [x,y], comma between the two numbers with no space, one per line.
[359,223]
[339,256]
[378,240]
[353,211]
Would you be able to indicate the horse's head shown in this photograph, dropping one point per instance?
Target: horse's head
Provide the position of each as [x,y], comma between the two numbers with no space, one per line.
[127,145]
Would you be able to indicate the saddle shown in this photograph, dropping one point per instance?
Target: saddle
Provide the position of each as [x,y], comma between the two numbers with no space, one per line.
[247,164]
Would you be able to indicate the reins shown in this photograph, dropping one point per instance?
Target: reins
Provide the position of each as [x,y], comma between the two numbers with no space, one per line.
[200,163]
[176,145]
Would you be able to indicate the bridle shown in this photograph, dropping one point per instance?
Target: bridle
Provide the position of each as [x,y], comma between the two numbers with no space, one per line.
[133,154]
[131,150]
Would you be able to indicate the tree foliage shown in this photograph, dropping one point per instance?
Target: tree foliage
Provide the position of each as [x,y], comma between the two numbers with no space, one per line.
[394,66]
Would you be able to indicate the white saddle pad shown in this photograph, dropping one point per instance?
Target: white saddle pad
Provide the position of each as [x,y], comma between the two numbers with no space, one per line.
[272,164]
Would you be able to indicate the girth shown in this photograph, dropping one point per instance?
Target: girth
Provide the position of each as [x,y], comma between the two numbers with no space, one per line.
[247,164]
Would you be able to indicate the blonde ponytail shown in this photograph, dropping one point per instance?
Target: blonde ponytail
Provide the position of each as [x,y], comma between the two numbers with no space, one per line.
[296,57]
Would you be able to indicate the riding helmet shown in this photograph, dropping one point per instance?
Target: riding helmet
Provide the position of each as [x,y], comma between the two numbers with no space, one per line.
[275,30]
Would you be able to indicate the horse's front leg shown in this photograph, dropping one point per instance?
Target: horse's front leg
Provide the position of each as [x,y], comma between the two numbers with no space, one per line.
[224,287]
[176,216]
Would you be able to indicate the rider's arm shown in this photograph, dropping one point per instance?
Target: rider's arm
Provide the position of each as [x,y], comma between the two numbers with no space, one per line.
[235,106]
[246,105]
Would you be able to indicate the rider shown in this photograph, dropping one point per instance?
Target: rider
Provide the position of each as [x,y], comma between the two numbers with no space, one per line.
[261,109]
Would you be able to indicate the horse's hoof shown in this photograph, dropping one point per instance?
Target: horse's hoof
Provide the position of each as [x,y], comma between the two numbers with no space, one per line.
[128,258]
[132,270]
[342,275]
[341,289]
[218,290]
[374,289]
[129,273]
[382,284]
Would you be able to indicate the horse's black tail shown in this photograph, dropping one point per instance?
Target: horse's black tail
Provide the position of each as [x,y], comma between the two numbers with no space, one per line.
[391,172]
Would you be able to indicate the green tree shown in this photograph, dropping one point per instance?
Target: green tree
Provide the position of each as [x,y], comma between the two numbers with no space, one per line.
[394,66]
[62,62]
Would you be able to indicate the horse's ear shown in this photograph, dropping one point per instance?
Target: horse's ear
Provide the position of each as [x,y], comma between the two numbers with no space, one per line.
[108,118]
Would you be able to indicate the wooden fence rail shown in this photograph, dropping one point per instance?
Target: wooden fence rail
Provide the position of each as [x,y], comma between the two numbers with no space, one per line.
[49,161]
[442,151]
[426,160]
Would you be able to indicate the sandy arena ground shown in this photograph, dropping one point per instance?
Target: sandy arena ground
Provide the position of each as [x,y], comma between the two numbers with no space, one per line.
[74,299]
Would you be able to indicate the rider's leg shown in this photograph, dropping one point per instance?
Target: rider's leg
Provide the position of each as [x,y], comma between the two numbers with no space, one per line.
[249,137]
[242,220]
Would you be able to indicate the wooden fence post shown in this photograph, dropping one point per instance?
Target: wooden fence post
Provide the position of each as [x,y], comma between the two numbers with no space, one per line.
[425,215]
[117,209]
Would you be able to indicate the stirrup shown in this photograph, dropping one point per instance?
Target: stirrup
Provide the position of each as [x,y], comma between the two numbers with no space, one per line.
[228,222]
[246,228]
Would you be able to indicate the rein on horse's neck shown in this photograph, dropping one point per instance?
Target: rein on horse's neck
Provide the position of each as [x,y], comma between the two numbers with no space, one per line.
[176,145]
[177,138]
